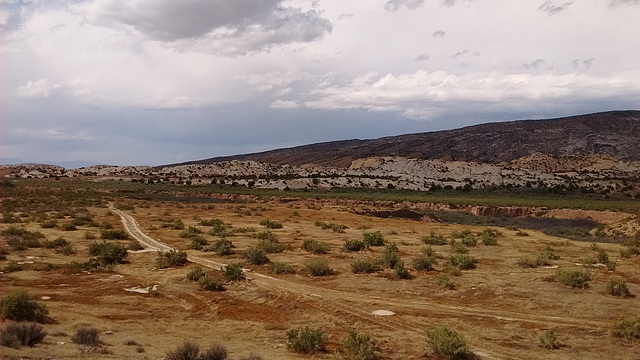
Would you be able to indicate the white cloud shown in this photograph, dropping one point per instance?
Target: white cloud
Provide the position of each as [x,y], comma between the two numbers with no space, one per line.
[284,104]
[38,89]
[395,5]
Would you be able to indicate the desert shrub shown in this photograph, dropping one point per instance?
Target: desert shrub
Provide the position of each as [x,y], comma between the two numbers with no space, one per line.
[358,347]
[198,242]
[251,356]
[390,257]
[49,224]
[339,228]
[174,224]
[549,340]
[68,227]
[221,247]
[373,239]
[21,334]
[12,266]
[448,343]
[190,232]
[400,271]
[315,247]
[208,283]
[233,272]
[89,236]
[627,327]
[434,239]
[444,281]
[129,341]
[19,305]
[458,247]
[113,235]
[108,253]
[319,267]
[354,245]
[171,258]
[212,222]
[256,256]
[269,242]
[522,233]
[574,277]
[618,287]
[271,224]
[122,206]
[281,268]
[306,341]
[461,234]
[20,239]
[186,351]
[550,253]
[469,241]
[195,273]
[58,242]
[135,245]
[488,239]
[452,270]
[86,335]
[365,266]
[426,260]
[463,261]
[214,352]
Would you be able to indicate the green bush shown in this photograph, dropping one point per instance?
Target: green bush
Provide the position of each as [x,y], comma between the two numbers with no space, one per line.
[469,241]
[86,335]
[618,287]
[444,281]
[373,239]
[171,258]
[574,277]
[21,334]
[358,347]
[212,222]
[19,305]
[198,242]
[12,266]
[68,227]
[190,232]
[49,224]
[281,268]
[58,242]
[462,234]
[627,327]
[208,283]
[390,257]
[458,248]
[174,224]
[221,247]
[339,228]
[315,247]
[20,239]
[489,240]
[448,343]
[319,267]
[463,261]
[233,272]
[195,274]
[256,256]
[306,341]
[400,271]
[365,266]
[269,242]
[108,253]
[549,340]
[434,239]
[113,235]
[271,224]
[354,245]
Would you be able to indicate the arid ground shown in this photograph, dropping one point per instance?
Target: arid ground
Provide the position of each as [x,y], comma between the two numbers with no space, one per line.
[501,308]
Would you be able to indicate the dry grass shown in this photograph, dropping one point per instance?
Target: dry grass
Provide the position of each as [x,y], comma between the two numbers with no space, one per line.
[500,307]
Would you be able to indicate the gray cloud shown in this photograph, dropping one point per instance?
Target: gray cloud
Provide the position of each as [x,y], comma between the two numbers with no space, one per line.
[211,25]
[395,5]
[550,8]
[534,64]
[582,64]
[422,57]
[439,34]
[614,3]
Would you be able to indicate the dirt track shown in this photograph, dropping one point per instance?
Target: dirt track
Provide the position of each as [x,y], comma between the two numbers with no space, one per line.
[359,306]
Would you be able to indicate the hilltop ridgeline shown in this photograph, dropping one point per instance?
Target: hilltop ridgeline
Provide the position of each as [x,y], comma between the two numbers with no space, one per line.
[615,134]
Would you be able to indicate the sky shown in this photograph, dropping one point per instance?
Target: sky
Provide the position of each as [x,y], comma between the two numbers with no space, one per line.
[150,82]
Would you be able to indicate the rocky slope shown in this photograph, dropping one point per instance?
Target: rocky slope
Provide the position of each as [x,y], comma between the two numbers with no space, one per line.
[615,134]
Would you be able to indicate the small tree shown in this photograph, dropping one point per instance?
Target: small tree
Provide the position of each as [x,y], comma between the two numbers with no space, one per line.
[448,343]
[19,305]
[306,341]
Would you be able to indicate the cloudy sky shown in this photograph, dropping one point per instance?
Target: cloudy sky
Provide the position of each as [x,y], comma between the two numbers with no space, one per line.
[162,81]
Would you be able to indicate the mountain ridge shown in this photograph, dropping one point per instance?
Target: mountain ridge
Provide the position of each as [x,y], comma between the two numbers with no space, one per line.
[611,133]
